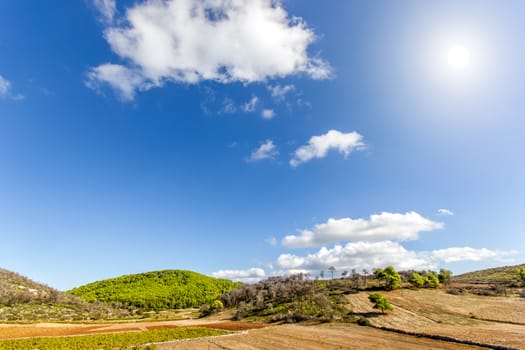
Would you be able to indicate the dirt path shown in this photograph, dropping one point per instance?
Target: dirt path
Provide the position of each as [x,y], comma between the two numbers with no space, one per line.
[319,337]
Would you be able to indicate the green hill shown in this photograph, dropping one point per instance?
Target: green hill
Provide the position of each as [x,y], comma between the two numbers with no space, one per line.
[504,274]
[22,299]
[168,289]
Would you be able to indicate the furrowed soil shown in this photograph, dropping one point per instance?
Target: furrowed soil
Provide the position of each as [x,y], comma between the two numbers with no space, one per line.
[319,337]
[488,320]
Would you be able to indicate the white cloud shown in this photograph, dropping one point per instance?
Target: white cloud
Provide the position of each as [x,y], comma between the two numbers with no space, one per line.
[190,41]
[124,80]
[279,92]
[266,151]
[455,254]
[107,9]
[445,212]
[357,255]
[251,275]
[268,114]
[371,255]
[379,227]
[250,105]
[318,146]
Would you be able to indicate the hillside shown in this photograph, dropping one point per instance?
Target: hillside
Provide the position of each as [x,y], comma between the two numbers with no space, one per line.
[15,288]
[168,289]
[504,274]
[22,299]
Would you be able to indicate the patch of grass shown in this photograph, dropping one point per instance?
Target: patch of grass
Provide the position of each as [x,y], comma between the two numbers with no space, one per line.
[121,341]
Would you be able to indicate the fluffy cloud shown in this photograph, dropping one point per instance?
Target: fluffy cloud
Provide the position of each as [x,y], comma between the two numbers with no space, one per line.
[357,255]
[318,146]
[190,41]
[379,227]
[370,255]
[125,81]
[266,151]
[250,105]
[247,276]
[455,254]
[445,212]
[279,92]
[268,114]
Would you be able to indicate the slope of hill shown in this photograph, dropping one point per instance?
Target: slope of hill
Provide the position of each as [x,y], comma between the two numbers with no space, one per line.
[168,289]
[22,299]
[504,274]
[15,288]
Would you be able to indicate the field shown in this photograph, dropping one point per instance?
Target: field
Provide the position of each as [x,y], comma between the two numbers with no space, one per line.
[330,336]
[492,320]
[487,320]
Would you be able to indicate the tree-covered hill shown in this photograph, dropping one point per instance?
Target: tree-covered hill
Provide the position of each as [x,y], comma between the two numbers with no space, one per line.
[504,274]
[168,289]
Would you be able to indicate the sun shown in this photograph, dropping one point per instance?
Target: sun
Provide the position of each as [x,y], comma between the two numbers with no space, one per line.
[458,57]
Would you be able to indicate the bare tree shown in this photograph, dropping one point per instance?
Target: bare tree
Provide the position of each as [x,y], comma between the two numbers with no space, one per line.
[332,270]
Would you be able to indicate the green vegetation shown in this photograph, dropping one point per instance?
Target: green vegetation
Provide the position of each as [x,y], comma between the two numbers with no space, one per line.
[445,276]
[390,276]
[380,302]
[288,299]
[157,290]
[521,274]
[214,307]
[121,341]
[416,279]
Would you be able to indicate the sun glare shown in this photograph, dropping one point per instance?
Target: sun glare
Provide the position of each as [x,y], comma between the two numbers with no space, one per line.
[458,57]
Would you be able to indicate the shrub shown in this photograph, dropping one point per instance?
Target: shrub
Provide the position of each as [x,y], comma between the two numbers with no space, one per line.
[390,276]
[380,302]
[363,321]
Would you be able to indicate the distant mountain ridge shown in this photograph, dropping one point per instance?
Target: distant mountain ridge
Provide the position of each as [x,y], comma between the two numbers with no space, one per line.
[156,290]
[503,274]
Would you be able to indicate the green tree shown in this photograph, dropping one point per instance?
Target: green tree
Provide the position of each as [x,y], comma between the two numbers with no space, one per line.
[444,276]
[390,276]
[416,279]
[432,279]
[521,274]
[380,302]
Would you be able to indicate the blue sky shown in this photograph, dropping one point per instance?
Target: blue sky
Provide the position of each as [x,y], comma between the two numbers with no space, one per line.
[244,139]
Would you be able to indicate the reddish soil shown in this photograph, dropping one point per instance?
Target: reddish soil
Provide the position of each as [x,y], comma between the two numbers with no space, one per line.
[12,331]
